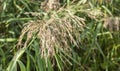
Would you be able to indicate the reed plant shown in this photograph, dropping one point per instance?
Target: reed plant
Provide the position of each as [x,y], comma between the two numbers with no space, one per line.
[79,35]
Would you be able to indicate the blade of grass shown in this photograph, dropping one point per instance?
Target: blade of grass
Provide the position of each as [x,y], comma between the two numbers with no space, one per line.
[107,10]
[58,62]
[15,59]
[22,66]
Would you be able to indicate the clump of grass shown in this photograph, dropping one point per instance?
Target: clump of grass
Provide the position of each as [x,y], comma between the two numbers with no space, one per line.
[51,43]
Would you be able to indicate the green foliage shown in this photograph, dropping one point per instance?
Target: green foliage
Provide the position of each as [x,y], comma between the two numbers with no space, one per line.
[89,44]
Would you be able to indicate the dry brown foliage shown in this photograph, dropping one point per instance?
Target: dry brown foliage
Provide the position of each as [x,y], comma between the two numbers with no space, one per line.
[54,33]
[112,23]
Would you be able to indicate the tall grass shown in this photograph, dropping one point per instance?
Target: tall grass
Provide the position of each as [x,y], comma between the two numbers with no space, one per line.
[79,36]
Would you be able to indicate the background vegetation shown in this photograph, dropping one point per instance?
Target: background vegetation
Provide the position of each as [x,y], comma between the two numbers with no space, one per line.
[83,35]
